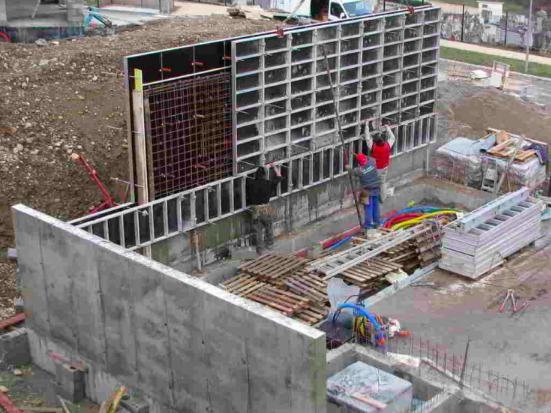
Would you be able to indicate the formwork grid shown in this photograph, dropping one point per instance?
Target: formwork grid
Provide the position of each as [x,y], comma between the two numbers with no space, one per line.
[164,218]
[384,69]
[189,133]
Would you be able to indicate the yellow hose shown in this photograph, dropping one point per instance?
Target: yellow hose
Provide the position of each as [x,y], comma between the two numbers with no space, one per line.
[415,221]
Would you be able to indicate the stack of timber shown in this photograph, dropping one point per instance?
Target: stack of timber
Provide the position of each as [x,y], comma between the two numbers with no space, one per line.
[507,149]
[282,283]
[481,240]
[272,266]
[421,251]
[370,275]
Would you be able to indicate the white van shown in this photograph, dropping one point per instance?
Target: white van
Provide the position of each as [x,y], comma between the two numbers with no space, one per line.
[324,10]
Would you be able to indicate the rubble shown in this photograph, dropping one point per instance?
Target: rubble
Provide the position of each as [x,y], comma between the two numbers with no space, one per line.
[76,99]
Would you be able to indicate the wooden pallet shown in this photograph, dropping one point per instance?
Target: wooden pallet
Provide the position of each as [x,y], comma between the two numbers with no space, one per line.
[285,302]
[307,284]
[400,249]
[364,273]
[312,314]
[272,266]
[242,284]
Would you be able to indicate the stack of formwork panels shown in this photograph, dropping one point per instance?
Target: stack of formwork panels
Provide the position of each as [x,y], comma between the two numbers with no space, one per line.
[480,241]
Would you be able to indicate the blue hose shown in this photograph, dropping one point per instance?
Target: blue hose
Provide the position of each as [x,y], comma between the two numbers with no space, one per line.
[363,312]
[338,244]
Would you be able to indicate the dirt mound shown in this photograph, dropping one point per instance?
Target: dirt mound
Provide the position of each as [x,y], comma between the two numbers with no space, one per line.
[494,109]
[68,97]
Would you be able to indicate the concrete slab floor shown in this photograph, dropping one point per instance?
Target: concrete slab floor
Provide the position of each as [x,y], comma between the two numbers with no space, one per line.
[457,308]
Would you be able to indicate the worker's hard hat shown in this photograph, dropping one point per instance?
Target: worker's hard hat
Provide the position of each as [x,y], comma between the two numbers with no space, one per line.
[361,159]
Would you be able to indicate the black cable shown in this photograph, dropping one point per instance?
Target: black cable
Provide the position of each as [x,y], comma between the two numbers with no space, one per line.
[338,312]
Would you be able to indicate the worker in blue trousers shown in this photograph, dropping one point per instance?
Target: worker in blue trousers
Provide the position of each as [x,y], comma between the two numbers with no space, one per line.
[371,188]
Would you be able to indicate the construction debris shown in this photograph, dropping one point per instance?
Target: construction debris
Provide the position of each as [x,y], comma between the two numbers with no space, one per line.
[236,12]
[297,287]
[499,156]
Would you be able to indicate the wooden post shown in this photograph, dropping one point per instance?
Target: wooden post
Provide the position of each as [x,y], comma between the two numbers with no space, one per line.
[140,146]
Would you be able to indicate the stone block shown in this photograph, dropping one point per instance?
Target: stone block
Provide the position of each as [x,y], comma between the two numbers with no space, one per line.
[135,405]
[14,348]
[73,397]
[69,382]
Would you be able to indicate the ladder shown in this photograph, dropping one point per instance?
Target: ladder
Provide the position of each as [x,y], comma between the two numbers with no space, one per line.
[337,263]
[489,179]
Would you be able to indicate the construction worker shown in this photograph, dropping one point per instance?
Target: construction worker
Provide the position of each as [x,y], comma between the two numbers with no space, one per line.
[381,150]
[259,192]
[371,186]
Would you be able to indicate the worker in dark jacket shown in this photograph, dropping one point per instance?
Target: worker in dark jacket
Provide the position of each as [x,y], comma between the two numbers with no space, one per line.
[371,189]
[259,192]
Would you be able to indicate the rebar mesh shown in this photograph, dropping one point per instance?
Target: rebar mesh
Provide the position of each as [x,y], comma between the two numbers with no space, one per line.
[189,124]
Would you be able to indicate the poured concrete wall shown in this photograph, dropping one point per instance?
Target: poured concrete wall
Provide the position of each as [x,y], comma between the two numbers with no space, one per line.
[187,345]
[293,213]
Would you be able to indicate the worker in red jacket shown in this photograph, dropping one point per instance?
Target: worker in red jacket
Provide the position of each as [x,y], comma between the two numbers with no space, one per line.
[381,149]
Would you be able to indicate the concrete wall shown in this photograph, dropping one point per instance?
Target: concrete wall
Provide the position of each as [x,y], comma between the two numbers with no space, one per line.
[294,213]
[3,12]
[75,12]
[164,6]
[19,9]
[187,345]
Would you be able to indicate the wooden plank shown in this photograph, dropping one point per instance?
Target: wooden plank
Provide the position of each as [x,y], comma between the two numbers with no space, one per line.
[500,147]
[244,293]
[63,405]
[141,152]
[288,294]
[490,130]
[525,155]
[140,146]
[115,406]
[264,301]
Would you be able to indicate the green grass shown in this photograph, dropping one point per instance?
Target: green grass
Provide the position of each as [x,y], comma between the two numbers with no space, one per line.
[482,59]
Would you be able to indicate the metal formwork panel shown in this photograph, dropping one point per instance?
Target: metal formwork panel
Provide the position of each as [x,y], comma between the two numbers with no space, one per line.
[384,68]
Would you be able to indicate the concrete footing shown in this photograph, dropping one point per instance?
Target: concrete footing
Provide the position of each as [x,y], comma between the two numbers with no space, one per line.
[437,393]
[135,405]
[14,349]
[69,382]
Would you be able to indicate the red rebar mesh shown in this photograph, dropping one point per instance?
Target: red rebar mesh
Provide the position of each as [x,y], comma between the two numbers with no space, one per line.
[189,128]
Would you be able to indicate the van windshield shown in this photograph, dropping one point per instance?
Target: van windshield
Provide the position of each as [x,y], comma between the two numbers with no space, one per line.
[357,8]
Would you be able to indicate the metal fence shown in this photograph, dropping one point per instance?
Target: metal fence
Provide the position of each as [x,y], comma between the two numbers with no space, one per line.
[506,29]
[507,391]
